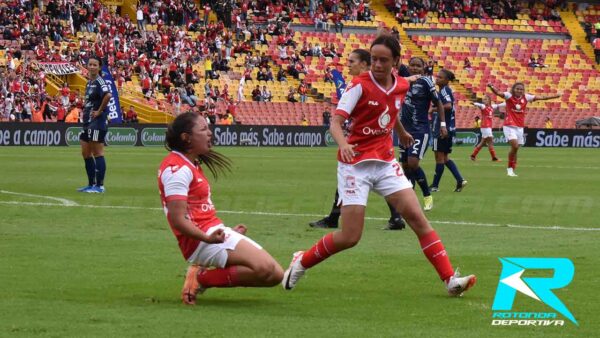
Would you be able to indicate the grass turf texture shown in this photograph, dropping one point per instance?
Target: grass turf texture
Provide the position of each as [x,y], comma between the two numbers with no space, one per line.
[81,271]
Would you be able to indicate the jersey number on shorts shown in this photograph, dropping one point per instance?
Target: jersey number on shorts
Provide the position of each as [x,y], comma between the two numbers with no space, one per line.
[416,146]
[397,167]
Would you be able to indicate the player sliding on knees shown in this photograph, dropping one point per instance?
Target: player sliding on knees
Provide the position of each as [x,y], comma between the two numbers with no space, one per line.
[366,162]
[516,103]
[203,239]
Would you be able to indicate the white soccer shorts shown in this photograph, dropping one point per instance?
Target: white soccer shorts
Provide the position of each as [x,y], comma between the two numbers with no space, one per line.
[356,181]
[486,132]
[215,255]
[514,133]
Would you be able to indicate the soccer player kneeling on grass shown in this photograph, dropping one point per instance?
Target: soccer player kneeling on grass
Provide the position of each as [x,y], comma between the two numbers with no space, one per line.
[366,161]
[203,239]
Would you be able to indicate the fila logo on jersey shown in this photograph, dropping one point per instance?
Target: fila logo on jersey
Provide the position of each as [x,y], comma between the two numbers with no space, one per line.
[373,103]
[174,168]
[199,180]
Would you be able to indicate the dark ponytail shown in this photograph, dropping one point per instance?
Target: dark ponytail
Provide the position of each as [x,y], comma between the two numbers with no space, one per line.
[215,162]
[449,75]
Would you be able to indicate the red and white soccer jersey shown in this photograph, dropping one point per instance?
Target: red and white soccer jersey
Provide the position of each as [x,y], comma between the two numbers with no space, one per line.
[515,109]
[487,113]
[373,111]
[180,179]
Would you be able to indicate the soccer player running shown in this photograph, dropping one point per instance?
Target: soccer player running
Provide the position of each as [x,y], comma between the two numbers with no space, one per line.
[203,239]
[91,138]
[442,143]
[487,123]
[359,61]
[366,162]
[415,119]
[516,103]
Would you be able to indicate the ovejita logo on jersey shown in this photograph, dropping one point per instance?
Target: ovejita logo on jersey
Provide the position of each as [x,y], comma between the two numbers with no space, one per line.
[384,118]
[538,288]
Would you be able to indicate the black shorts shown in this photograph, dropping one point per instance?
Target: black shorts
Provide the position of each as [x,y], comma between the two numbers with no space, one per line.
[443,145]
[92,135]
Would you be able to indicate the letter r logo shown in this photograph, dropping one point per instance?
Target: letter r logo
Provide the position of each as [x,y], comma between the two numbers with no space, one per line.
[535,287]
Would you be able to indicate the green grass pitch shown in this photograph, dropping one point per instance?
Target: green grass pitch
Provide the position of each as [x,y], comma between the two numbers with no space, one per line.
[107,265]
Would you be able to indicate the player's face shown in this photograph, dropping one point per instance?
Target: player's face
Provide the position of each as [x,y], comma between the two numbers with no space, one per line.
[382,61]
[487,101]
[355,66]
[519,90]
[441,80]
[93,67]
[416,67]
[201,138]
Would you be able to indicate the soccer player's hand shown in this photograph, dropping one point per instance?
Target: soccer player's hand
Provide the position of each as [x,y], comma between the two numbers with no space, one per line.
[406,140]
[218,236]
[413,78]
[347,152]
[240,228]
[443,132]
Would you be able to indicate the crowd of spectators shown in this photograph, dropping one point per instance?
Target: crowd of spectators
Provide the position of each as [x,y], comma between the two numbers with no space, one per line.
[416,11]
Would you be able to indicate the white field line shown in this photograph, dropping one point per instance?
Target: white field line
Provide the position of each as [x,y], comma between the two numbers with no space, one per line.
[260,213]
[64,202]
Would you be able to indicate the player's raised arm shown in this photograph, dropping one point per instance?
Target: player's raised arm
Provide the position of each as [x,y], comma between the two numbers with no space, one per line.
[547,97]
[495,91]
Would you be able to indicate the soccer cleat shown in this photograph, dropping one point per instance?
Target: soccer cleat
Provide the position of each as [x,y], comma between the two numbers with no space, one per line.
[427,203]
[457,285]
[323,223]
[294,272]
[191,286]
[495,159]
[433,188]
[510,172]
[395,224]
[83,189]
[473,158]
[96,190]
[460,186]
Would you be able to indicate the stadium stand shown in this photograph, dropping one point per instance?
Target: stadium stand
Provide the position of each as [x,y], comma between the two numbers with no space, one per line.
[166,62]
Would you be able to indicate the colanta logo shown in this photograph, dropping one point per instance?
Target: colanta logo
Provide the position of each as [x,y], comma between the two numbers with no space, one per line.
[537,288]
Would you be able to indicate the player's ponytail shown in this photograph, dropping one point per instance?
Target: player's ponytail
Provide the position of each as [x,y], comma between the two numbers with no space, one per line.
[449,75]
[215,162]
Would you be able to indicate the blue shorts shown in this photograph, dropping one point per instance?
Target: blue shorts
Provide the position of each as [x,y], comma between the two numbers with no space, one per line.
[443,145]
[92,135]
[418,149]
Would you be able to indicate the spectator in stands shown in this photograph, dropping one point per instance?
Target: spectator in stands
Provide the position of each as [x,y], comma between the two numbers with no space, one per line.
[316,51]
[256,94]
[131,116]
[266,94]
[188,94]
[281,75]
[532,62]
[548,124]
[336,19]
[261,75]
[477,122]
[596,44]
[304,121]
[540,61]
[140,19]
[326,118]
[291,95]
[467,64]
[240,91]
[303,91]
